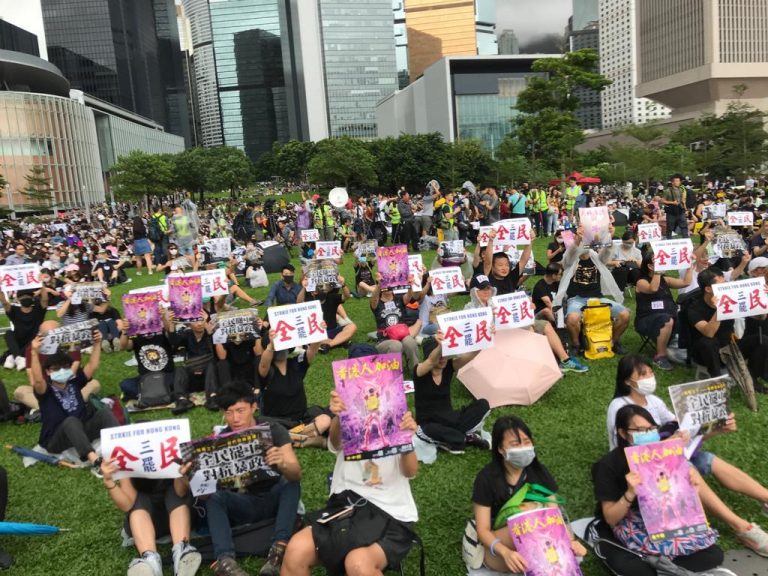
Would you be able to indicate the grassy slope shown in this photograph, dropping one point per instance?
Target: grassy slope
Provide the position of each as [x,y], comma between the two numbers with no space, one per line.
[568,423]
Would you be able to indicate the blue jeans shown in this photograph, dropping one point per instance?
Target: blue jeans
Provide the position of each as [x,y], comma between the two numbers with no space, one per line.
[429,329]
[161,248]
[109,329]
[225,509]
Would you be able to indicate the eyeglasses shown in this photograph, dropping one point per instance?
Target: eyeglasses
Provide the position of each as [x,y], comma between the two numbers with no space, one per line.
[647,429]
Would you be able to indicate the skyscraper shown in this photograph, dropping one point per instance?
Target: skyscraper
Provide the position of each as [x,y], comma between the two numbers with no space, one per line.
[17,39]
[590,108]
[508,43]
[585,13]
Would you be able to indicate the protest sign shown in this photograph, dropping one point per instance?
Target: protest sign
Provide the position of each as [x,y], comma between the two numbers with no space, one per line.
[713,212]
[146,450]
[595,223]
[87,291]
[59,227]
[514,310]
[669,503]
[19,277]
[569,238]
[310,235]
[672,254]
[324,250]
[514,256]
[392,263]
[728,243]
[321,275]
[741,298]
[448,280]
[161,290]
[511,232]
[236,326]
[219,248]
[541,538]
[185,294]
[179,263]
[297,324]
[484,235]
[372,390]
[408,387]
[416,270]
[69,338]
[366,248]
[648,233]
[740,219]
[142,311]
[702,406]
[230,461]
[466,330]
[213,282]
[267,244]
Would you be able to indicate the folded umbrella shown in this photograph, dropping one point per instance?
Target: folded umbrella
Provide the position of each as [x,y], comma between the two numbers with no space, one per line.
[25,529]
[47,458]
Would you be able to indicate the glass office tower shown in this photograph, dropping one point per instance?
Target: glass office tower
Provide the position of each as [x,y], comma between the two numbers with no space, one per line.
[17,39]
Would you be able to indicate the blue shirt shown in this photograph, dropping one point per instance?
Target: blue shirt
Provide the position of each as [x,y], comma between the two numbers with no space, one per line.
[280,294]
[56,405]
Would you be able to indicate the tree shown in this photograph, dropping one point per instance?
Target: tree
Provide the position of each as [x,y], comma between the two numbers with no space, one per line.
[409,160]
[3,182]
[191,170]
[292,159]
[229,169]
[343,161]
[468,160]
[139,174]
[38,185]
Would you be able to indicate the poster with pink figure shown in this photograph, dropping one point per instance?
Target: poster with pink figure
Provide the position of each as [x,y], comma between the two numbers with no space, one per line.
[541,537]
[669,504]
[372,390]
[392,263]
[186,296]
[142,311]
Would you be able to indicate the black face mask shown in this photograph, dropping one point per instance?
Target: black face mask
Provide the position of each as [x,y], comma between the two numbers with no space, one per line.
[26,302]
[288,279]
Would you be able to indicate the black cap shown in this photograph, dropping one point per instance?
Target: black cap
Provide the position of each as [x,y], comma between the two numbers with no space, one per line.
[480,282]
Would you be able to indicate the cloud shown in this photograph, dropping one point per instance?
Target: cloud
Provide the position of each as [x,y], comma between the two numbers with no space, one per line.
[533,18]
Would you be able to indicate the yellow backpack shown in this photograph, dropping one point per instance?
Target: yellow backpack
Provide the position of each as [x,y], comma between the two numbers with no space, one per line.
[598,330]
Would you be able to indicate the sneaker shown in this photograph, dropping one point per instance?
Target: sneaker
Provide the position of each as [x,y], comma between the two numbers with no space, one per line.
[138,273]
[619,348]
[105,346]
[257,303]
[21,363]
[476,440]
[212,404]
[149,564]
[186,559]
[116,345]
[227,567]
[450,449]
[182,405]
[573,365]
[96,469]
[755,539]
[663,363]
[10,362]
[33,416]
[274,560]
[324,349]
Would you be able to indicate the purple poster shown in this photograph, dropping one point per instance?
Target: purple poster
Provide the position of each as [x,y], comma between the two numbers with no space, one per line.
[372,390]
[392,262]
[186,296]
[669,504]
[143,314]
[541,538]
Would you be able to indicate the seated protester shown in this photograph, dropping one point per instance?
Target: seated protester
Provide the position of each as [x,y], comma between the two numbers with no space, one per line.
[389,312]
[364,279]
[108,269]
[496,266]
[544,291]
[439,423]
[656,311]
[284,398]
[704,254]
[332,304]
[239,361]
[71,313]
[235,292]
[513,465]
[51,286]
[380,532]
[556,249]
[26,319]
[153,509]
[273,498]
[66,420]
[346,234]
[284,291]
[624,261]
[585,277]
[108,317]
[757,243]
[709,335]
[169,260]
[199,369]
[430,305]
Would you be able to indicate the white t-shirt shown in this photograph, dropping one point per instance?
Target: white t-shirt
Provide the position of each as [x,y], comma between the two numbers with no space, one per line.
[379,481]
[661,414]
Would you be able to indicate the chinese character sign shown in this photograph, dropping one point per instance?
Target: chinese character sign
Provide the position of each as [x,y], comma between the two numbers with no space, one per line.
[392,262]
[87,291]
[512,232]
[20,277]
[672,254]
[321,275]
[213,282]
[219,248]
[650,232]
[703,406]
[595,223]
[186,296]
[466,330]
[325,250]
[161,290]
[484,235]
[713,212]
[236,325]
[416,269]
[297,324]
[740,219]
[669,504]
[142,311]
[366,248]
[448,280]
[310,235]
[146,450]
[541,537]
[514,310]
[372,390]
[741,298]
[69,338]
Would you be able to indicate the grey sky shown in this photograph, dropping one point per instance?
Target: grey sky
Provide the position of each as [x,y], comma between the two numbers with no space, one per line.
[532,18]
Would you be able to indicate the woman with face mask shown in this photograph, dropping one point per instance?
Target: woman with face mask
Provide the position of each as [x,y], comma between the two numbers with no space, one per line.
[513,465]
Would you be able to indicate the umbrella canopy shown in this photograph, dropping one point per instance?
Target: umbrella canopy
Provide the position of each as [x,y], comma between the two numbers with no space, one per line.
[519,369]
[24,529]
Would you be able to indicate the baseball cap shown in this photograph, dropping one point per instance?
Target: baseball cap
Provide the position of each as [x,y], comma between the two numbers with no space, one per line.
[759,262]
[480,282]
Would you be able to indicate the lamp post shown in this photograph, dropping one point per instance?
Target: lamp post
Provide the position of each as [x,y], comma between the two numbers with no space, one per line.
[9,195]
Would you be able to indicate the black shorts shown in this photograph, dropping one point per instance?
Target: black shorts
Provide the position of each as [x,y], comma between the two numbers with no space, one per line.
[650,325]
[308,417]
[159,507]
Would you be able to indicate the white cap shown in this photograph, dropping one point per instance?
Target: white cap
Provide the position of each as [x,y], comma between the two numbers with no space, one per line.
[759,262]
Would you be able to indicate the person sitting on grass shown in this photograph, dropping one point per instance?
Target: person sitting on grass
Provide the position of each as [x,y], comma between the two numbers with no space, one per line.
[513,465]
[544,292]
[332,304]
[199,369]
[66,420]
[389,311]
[26,320]
[380,535]
[108,316]
[154,508]
[504,276]
[365,282]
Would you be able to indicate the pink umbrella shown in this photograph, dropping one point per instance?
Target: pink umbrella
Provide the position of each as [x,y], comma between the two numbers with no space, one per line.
[519,369]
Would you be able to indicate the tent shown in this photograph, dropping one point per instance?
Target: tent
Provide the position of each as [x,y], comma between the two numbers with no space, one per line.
[580,179]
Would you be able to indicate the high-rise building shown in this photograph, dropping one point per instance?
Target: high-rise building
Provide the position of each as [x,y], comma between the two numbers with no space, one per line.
[509,43]
[618,59]
[693,53]
[585,13]
[17,39]
[590,107]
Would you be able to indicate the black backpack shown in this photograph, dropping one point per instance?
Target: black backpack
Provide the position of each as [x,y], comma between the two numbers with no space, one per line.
[154,232]
[154,389]
[238,225]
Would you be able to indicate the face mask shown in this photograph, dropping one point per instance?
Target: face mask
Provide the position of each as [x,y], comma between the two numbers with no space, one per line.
[628,244]
[646,385]
[560,240]
[26,302]
[520,457]
[62,375]
[288,279]
[641,438]
[85,258]
[281,355]
[362,260]
[173,252]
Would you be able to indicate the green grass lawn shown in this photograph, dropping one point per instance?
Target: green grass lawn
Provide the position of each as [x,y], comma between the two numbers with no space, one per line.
[568,424]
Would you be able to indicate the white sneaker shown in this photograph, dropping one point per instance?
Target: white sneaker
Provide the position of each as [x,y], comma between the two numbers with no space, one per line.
[21,363]
[186,559]
[105,347]
[150,564]
[138,273]
[9,363]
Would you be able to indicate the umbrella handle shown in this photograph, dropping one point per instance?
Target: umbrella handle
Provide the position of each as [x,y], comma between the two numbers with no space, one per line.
[65,464]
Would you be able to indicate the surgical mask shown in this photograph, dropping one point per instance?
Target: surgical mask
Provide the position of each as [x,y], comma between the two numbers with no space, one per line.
[520,457]
[642,438]
[62,375]
[646,385]
[560,240]
[288,279]
[173,252]
[628,244]
[362,260]
[26,302]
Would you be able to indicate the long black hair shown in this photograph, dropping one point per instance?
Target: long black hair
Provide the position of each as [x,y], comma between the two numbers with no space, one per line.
[624,417]
[517,426]
[627,365]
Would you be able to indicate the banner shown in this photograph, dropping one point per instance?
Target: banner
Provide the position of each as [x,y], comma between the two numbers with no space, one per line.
[219,248]
[392,263]
[672,254]
[324,250]
[512,232]
[448,280]
[713,212]
[514,310]
[87,292]
[740,219]
[416,269]
[702,406]
[186,297]
[213,282]
[143,314]
[236,326]
[161,290]
[310,235]
[514,256]
[648,233]
[466,330]
[372,390]
[484,235]
[69,338]
[541,538]
[728,243]
[669,504]
[19,277]
[297,324]
[595,223]
[234,460]
[146,450]
[179,263]
[321,275]
[741,298]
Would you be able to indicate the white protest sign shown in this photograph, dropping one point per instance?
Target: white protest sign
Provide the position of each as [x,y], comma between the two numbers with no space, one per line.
[310,235]
[672,254]
[297,324]
[267,244]
[514,310]
[713,212]
[466,330]
[741,298]
[219,248]
[416,270]
[213,282]
[740,218]
[484,235]
[595,224]
[511,232]
[514,256]
[19,277]
[649,232]
[325,250]
[161,289]
[448,280]
[146,450]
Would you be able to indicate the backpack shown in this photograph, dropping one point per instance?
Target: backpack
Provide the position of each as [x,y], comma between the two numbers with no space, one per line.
[238,225]
[249,540]
[154,389]
[154,231]
[598,331]
[438,219]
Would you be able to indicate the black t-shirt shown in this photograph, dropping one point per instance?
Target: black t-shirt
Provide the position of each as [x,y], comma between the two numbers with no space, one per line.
[240,353]
[389,313]
[508,284]
[280,437]
[26,324]
[541,290]
[329,306]
[432,399]
[608,479]
[492,490]
[757,241]
[660,301]
[192,346]
[557,257]
[108,314]
[700,310]
[364,274]
[107,265]
[153,353]
[283,396]
[585,281]
[57,404]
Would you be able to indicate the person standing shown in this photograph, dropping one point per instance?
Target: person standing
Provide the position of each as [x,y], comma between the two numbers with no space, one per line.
[424,220]
[489,206]
[572,192]
[408,234]
[323,219]
[158,233]
[673,200]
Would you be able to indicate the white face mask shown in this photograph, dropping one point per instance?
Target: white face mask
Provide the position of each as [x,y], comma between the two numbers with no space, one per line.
[646,386]
[520,457]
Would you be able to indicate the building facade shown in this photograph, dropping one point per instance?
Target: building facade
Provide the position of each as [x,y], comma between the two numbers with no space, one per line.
[17,39]
[509,43]
[590,112]
[585,13]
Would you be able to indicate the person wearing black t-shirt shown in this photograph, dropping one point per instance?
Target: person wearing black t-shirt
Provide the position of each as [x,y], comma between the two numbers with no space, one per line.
[556,249]
[544,291]
[199,369]
[389,312]
[332,305]
[107,269]
[438,422]
[504,276]
[26,320]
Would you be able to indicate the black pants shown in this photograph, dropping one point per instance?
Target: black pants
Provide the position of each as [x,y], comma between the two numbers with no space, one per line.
[408,234]
[15,348]
[228,374]
[451,428]
[677,223]
[396,233]
[625,275]
[80,433]
[3,492]
[706,352]
[184,381]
